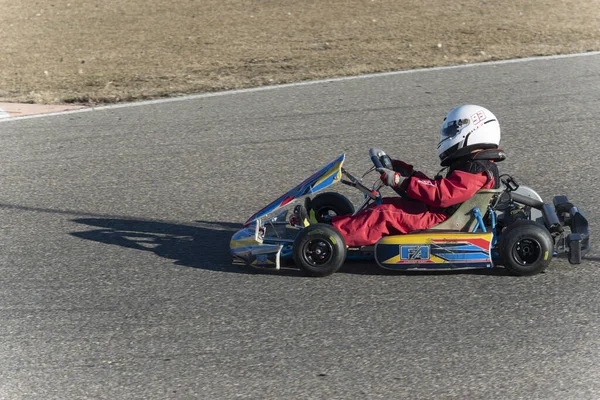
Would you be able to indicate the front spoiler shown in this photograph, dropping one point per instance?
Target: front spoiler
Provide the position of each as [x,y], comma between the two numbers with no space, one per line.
[264,245]
[247,246]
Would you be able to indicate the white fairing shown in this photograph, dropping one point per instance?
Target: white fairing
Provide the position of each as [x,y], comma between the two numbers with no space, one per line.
[536,215]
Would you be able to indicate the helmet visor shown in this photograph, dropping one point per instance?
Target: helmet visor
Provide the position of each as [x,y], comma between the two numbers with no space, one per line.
[451,128]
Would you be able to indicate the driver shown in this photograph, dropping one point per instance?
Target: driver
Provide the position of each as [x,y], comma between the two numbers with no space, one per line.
[468,147]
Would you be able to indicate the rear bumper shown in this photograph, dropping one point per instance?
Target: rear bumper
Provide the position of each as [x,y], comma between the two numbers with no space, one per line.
[575,243]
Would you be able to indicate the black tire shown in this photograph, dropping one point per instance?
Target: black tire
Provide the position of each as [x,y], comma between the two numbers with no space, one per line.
[319,250]
[331,203]
[526,248]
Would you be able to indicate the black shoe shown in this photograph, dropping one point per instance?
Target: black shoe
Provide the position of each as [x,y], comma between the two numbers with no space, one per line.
[312,214]
[310,211]
[300,216]
[308,204]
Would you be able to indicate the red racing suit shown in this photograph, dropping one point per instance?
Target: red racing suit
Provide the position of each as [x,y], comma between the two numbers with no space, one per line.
[426,203]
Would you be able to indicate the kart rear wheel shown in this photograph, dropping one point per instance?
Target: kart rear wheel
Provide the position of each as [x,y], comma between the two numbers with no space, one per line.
[319,250]
[526,248]
[331,204]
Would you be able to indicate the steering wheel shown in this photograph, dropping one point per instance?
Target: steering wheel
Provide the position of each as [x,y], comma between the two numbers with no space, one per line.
[380,159]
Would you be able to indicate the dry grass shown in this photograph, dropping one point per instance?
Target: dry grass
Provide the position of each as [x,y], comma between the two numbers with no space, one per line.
[93,51]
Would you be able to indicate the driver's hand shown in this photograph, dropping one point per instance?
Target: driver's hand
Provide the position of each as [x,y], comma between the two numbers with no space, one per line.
[405,169]
[389,177]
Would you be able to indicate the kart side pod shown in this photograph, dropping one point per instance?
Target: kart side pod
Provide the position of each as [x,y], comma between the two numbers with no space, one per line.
[429,250]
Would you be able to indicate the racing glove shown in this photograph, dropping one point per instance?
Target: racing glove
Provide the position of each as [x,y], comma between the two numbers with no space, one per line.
[405,169]
[390,178]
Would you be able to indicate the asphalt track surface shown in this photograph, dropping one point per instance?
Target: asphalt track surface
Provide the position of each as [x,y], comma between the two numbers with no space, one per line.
[116,282]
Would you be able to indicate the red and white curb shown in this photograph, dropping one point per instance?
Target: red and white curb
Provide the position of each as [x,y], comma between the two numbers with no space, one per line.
[12,110]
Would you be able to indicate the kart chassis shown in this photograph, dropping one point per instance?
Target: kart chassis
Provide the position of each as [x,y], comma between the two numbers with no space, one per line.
[269,242]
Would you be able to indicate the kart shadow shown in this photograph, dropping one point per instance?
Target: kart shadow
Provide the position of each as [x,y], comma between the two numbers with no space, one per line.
[204,246]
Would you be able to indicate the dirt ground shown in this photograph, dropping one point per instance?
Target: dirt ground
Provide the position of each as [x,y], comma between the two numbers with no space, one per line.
[104,51]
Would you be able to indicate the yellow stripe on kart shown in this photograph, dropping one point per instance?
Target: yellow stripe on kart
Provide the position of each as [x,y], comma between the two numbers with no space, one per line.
[393,260]
[427,238]
[269,262]
[234,244]
[335,169]
[436,259]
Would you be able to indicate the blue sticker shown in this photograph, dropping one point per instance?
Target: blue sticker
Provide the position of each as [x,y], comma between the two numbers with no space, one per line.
[414,252]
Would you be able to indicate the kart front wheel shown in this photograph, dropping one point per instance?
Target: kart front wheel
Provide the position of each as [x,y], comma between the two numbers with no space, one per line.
[331,204]
[319,250]
[526,248]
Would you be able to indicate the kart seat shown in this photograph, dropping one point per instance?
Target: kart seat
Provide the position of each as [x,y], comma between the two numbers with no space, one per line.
[463,220]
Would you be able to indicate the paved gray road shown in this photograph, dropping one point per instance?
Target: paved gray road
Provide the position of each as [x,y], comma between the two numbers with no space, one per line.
[115,281]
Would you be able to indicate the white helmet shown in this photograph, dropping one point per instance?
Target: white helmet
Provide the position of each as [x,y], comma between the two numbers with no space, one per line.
[467,128]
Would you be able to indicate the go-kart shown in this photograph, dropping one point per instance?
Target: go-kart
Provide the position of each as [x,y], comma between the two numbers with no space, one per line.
[510,226]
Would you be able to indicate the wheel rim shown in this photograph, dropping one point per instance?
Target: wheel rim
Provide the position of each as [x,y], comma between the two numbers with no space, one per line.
[317,252]
[527,251]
